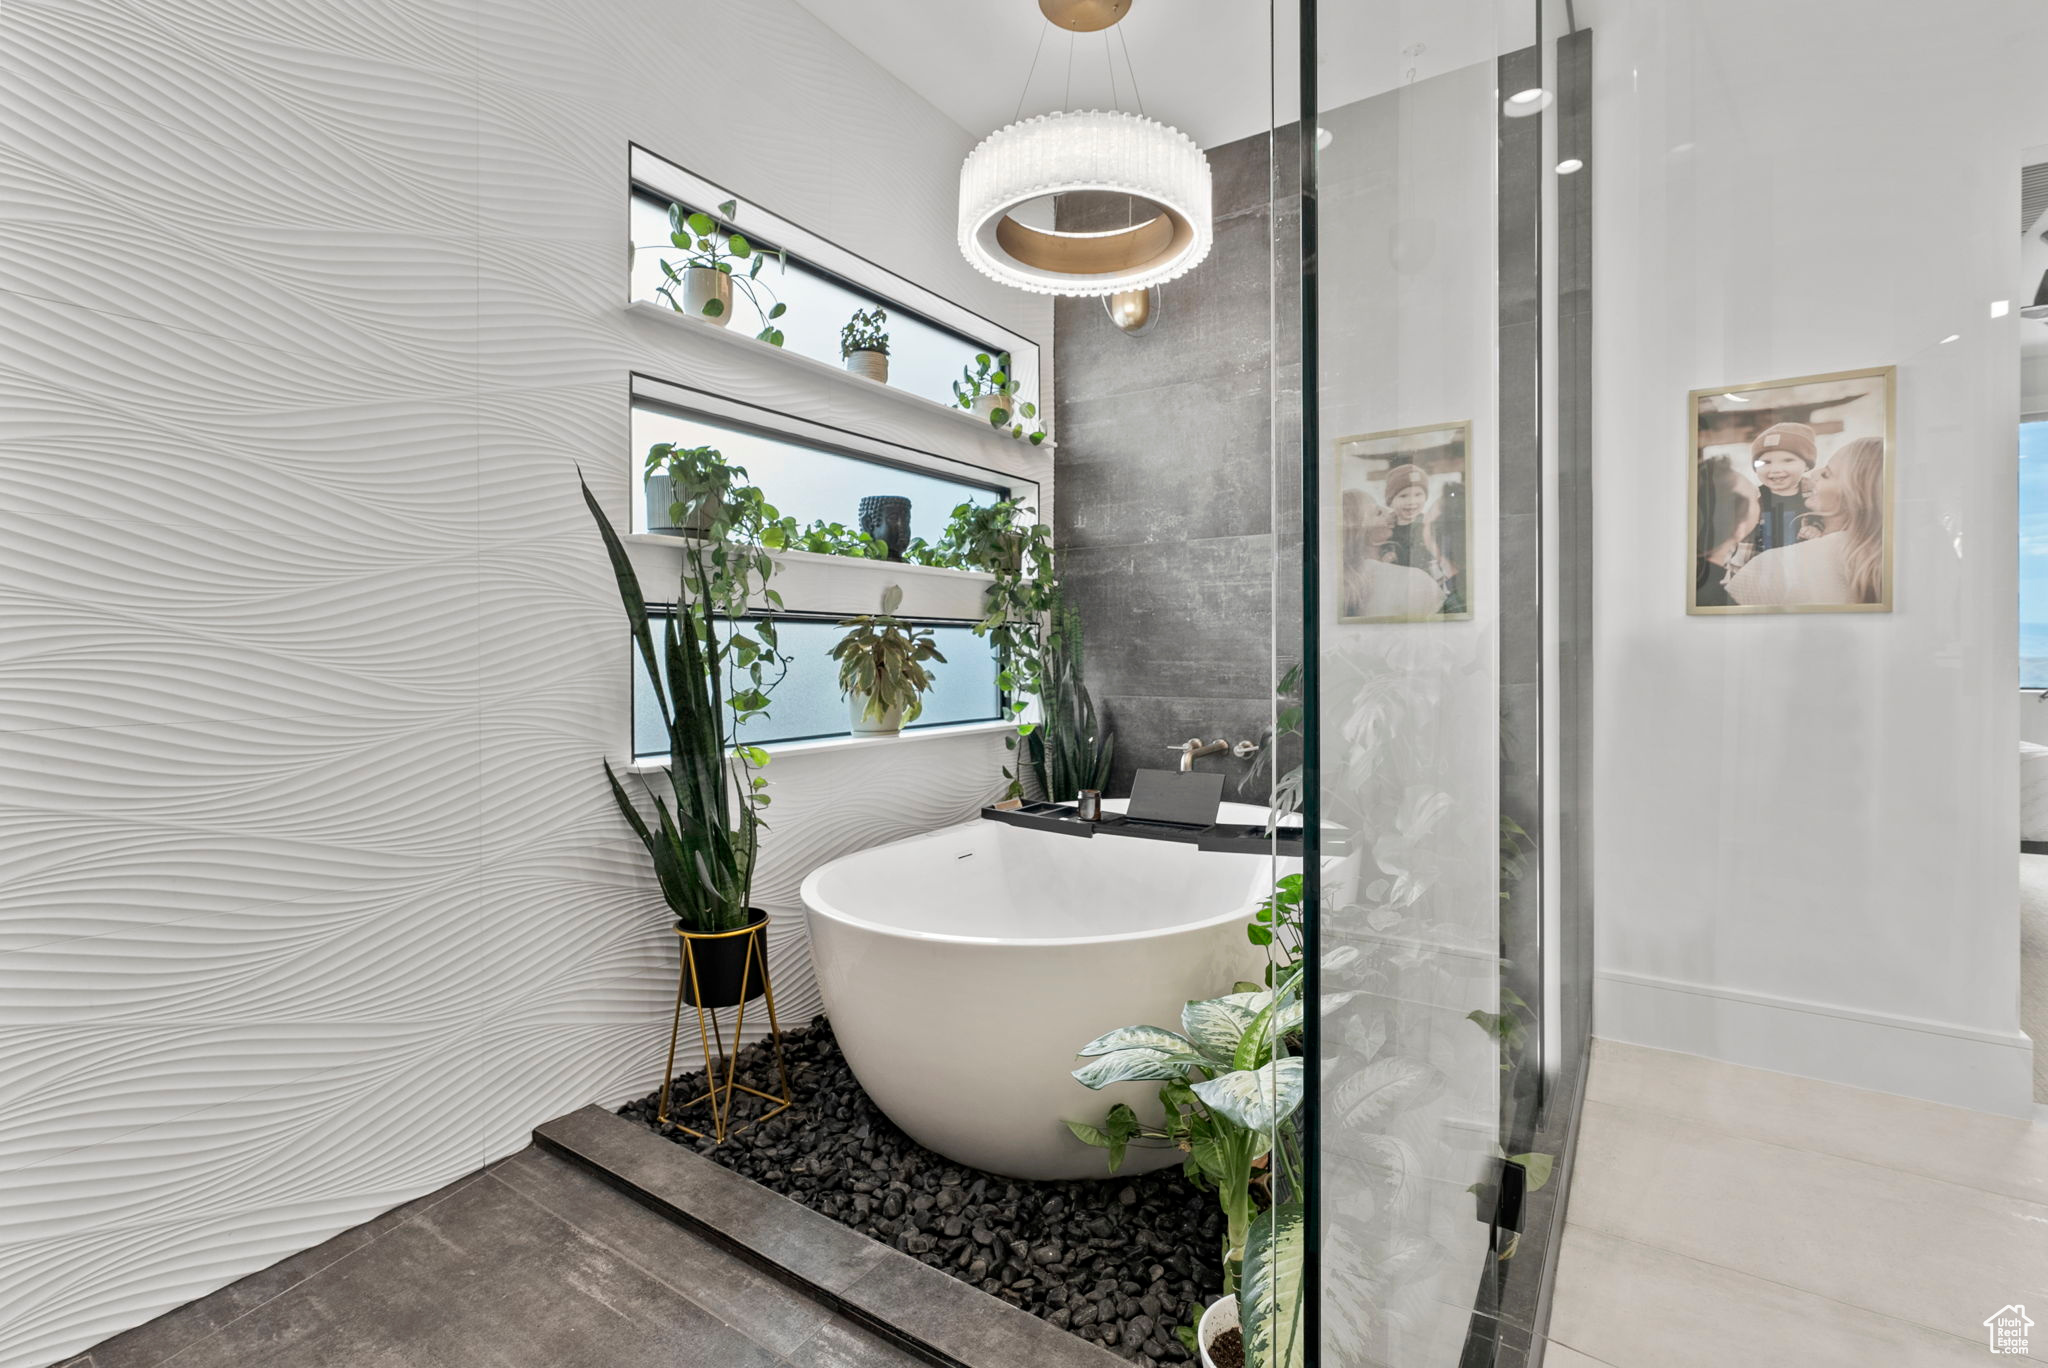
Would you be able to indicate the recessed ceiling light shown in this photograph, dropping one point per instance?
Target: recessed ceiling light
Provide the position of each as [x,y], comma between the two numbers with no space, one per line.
[1735,398]
[1523,103]
[2000,307]
[1569,165]
[1324,138]
[1681,148]
[1952,337]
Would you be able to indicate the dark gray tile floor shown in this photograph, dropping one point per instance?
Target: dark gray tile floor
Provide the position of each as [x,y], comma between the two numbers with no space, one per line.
[530,1264]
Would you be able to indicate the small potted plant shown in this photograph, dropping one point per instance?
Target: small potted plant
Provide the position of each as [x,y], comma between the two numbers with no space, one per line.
[864,344]
[706,275]
[688,488]
[882,668]
[988,390]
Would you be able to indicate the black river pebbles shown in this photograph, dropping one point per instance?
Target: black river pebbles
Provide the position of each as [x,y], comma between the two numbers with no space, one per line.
[1120,1262]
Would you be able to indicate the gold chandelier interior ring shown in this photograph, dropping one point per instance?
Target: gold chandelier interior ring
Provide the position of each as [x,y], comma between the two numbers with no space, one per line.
[1096,254]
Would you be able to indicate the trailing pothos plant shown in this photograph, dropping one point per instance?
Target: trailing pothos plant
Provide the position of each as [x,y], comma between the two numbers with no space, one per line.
[832,539]
[989,377]
[998,538]
[707,247]
[1230,1089]
[882,659]
[708,678]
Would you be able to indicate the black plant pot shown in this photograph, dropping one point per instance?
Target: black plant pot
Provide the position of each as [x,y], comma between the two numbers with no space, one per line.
[886,518]
[731,966]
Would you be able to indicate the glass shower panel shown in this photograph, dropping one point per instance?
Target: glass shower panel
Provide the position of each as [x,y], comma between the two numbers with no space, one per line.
[1423,677]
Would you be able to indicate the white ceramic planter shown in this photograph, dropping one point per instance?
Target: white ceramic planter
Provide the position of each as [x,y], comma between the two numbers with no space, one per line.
[1221,1316]
[661,496]
[865,724]
[701,285]
[869,365]
[987,404]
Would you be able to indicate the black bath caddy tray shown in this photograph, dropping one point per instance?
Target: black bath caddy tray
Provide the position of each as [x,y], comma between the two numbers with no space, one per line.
[1224,838]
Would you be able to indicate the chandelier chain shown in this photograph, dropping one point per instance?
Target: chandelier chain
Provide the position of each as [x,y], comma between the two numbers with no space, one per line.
[1029,74]
[1135,94]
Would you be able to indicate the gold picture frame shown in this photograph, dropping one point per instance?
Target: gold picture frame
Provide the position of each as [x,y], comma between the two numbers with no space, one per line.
[1376,584]
[1768,569]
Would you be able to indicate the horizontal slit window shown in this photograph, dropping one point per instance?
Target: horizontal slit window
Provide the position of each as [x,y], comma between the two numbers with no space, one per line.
[804,481]
[925,357]
[808,706]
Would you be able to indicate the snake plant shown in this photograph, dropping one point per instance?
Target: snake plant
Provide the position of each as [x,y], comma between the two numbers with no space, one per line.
[706,831]
[1070,748]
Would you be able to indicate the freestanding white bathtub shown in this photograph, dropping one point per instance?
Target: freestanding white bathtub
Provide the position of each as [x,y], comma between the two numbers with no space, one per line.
[963,969]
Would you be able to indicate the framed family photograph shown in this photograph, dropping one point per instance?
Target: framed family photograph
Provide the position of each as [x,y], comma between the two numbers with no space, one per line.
[1791,493]
[1406,523]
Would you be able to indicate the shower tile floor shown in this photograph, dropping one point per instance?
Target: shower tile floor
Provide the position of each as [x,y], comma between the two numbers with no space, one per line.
[531,1263]
[1726,1215]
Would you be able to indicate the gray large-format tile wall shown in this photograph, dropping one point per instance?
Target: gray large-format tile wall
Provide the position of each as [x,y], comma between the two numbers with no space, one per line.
[1178,474]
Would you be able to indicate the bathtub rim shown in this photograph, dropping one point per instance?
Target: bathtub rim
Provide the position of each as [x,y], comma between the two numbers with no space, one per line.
[814,905]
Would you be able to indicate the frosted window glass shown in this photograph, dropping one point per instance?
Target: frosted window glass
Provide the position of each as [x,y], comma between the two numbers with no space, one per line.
[804,482]
[808,704]
[924,358]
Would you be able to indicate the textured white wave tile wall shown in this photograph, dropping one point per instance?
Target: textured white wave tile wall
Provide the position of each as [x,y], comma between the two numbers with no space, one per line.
[311,894]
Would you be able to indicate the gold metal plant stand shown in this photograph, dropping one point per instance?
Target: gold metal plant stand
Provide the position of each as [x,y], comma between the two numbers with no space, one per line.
[720,1095]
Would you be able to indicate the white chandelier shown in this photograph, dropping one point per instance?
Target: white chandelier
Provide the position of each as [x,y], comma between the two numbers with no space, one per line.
[1160,171]
[1099,150]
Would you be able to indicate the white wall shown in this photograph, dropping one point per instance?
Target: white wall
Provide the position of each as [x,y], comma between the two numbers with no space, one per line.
[1807,823]
[311,895]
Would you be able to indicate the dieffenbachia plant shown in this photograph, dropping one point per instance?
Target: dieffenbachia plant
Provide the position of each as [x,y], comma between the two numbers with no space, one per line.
[1230,1090]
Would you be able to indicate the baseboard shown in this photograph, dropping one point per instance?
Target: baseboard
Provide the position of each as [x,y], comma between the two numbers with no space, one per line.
[1939,1061]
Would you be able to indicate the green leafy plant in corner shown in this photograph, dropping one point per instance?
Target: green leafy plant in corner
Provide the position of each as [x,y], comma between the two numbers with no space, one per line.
[882,659]
[1287,719]
[707,679]
[708,246]
[990,376]
[1037,640]
[865,332]
[1229,1091]
[1005,539]
[1070,748]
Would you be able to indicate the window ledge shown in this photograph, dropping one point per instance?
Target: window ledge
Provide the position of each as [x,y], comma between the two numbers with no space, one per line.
[825,560]
[833,744]
[837,375]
